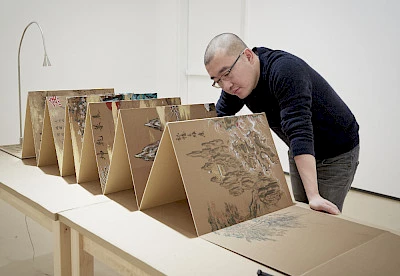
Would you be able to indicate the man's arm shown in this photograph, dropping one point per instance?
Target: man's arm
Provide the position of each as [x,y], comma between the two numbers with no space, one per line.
[307,169]
[228,105]
[292,87]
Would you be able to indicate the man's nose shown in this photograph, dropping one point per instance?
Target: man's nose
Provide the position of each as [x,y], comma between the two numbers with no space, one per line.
[227,85]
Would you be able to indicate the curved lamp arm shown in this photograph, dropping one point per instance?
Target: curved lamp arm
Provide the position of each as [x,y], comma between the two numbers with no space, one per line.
[46,62]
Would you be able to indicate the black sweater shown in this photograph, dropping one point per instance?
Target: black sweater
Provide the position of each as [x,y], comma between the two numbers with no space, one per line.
[300,105]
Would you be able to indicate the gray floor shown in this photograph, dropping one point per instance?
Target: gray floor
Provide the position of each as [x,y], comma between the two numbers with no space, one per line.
[26,247]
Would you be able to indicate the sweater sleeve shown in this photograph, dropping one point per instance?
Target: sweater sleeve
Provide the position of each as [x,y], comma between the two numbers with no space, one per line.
[228,105]
[292,87]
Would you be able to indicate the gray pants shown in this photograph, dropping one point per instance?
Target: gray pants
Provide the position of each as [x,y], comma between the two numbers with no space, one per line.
[334,175]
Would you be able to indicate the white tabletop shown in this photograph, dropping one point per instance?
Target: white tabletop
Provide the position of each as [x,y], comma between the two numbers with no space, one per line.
[43,188]
[142,238]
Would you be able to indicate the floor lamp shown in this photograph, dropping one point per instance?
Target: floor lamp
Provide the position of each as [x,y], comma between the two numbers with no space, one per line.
[16,150]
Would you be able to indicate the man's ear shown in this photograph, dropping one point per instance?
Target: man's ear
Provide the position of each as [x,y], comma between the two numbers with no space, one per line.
[249,54]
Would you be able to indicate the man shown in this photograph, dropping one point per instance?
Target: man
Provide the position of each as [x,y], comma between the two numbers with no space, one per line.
[301,108]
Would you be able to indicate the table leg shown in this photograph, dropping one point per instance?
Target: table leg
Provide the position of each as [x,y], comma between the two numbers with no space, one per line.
[82,262]
[62,249]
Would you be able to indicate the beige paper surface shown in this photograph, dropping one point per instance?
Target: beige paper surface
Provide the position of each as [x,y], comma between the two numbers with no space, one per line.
[227,172]
[66,166]
[77,110]
[132,136]
[293,240]
[101,118]
[37,102]
[61,134]
[28,145]
[102,126]
[57,109]
[142,130]
[141,103]
[86,169]
[119,175]
[229,167]
[379,256]
[164,184]
[47,152]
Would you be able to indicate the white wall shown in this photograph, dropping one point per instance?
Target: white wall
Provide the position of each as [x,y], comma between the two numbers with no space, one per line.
[129,45]
[206,19]
[355,46]
[156,45]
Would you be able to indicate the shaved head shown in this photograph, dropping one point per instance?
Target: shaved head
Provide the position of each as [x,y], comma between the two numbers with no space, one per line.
[227,43]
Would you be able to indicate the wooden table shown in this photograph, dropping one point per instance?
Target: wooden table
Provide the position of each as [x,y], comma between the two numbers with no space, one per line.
[88,225]
[41,194]
[136,243]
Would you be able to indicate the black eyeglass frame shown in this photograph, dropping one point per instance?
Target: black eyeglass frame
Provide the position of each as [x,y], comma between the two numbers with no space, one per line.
[227,72]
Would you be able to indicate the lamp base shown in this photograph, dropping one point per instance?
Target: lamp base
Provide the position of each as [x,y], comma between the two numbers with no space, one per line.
[14,150]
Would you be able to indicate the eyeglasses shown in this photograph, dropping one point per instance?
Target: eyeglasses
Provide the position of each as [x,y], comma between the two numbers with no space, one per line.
[225,76]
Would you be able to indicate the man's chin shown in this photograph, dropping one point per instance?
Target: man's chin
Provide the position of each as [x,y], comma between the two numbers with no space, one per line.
[242,95]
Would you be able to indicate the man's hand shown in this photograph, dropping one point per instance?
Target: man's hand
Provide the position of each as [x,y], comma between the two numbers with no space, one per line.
[307,169]
[319,203]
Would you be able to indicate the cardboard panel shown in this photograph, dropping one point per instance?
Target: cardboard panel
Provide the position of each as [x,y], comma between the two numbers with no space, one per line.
[144,103]
[60,126]
[119,175]
[37,102]
[66,166]
[47,154]
[149,103]
[379,256]
[129,97]
[77,109]
[293,240]
[55,109]
[142,130]
[227,172]
[164,183]
[100,122]
[133,135]
[87,166]
[230,170]
[103,126]
[28,146]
